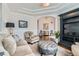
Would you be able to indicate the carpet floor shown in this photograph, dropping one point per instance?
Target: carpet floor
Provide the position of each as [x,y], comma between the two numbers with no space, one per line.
[61,51]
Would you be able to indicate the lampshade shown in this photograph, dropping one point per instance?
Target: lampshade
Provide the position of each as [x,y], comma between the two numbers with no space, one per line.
[10,24]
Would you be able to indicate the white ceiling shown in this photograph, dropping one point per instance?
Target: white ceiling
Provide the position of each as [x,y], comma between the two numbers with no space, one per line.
[36,8]
[32,6]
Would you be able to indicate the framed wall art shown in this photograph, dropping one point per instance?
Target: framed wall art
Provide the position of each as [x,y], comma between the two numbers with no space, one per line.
[23,24]
[46,26]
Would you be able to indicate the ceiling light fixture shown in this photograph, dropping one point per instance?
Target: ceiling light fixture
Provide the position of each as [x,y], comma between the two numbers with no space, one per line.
[45,4]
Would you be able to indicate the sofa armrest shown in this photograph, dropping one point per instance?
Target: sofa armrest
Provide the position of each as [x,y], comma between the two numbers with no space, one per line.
[34,36]
[3,52]
[75,50]
[77,43]
[22,42]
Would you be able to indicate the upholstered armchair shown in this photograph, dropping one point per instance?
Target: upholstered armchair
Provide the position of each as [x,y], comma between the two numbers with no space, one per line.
[30,37]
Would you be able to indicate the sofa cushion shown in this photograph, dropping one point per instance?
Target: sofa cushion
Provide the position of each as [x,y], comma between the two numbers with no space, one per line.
[9,44]
[23,51]
[21,42]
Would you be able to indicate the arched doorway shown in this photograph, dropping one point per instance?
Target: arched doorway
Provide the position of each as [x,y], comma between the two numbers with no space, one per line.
[46,24]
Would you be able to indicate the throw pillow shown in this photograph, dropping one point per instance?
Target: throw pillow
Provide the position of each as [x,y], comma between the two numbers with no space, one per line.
[3,52]
[77,43]
[9,44]
[16,38]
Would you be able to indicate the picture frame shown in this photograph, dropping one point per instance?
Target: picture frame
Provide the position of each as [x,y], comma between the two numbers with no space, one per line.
[23,24]
[45,26]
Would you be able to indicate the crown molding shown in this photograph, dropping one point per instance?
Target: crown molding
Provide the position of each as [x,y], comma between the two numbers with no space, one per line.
[37,11]
[51,10]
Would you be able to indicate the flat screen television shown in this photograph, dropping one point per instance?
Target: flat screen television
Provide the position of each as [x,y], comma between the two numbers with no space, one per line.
[69,28]
[71,25]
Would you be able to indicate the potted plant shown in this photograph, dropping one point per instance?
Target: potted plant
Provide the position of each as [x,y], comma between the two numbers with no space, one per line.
[57,35]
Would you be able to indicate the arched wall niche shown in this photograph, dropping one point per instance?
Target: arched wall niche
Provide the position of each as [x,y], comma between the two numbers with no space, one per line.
[46,23]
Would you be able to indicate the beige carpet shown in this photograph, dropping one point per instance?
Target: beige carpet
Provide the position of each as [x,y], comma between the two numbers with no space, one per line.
[61,51]
[34,48]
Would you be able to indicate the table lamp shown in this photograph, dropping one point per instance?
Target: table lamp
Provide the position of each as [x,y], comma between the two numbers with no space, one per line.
[10,27]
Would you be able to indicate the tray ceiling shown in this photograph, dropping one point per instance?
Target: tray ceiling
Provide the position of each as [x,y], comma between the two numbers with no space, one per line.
[36,8]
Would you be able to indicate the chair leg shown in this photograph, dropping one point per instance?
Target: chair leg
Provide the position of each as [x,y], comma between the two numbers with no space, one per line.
[41,54]
[55,54]
[30,43]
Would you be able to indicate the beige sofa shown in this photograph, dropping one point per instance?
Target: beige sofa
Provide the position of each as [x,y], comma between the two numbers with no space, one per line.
[21,49]
[75,49]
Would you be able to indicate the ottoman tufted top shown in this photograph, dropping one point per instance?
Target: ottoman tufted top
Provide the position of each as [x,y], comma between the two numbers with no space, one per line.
[48,47]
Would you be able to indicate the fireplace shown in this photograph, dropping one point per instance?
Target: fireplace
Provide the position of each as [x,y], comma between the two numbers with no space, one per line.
[69,28]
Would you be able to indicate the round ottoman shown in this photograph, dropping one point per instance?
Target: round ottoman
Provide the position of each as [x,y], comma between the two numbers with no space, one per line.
[47,47]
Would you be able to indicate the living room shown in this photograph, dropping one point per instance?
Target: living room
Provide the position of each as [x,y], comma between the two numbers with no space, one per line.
[36,28]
